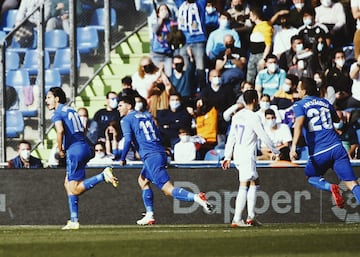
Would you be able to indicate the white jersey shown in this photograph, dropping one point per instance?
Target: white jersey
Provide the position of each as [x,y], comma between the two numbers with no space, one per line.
[246,128]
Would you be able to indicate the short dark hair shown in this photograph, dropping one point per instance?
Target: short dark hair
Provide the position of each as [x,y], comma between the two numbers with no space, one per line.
[270,112]
[24,142]
[129,100]
[58,92]
[250,95]
[271,56]
[293,78]
[127,80]
[309,85]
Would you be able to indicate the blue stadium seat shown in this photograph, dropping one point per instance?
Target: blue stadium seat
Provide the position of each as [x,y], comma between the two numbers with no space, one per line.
[31,61]
[87,39]
[17,78]
[14,123]
[56,39]
[12,60]
[8,20]
[62,61]
[98,19]
[52,79]
[214,155]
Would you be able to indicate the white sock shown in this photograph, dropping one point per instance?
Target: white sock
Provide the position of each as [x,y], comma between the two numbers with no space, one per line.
[251,201]
[240,203]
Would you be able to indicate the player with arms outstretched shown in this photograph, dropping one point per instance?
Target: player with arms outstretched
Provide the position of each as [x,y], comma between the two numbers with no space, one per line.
[246,128]
[140,129]
[72,141]
[314,117]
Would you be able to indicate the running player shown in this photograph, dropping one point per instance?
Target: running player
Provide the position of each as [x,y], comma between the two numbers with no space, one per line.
[246,128]
[72,141]
[314,117]
[139,128]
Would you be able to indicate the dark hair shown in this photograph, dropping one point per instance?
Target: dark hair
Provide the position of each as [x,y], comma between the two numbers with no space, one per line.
[271,56]
[293,78]
[296,37]
[129,100]
[270,112]
[167,7]
[127,80]
[58,92]
[250,95]
[309,10]
[226,14]
[110,92]
[309,85]
[24,142]
[257,11]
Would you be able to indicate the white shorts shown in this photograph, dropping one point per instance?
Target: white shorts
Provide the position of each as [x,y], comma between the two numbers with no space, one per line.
[247,170]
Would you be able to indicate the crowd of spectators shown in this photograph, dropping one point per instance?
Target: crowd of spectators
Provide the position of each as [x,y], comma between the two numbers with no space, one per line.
[205,53]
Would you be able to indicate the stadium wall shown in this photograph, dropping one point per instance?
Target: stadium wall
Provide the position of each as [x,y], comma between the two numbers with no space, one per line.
[31,197]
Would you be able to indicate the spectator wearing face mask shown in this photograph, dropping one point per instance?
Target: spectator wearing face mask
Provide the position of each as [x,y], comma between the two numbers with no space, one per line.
[265,104]
[100,158]
[110,113]
[280,136]
[184,150]
[332,15]
[339,78]
[219,96]
[211,17]
[144,78]
[215,42]
[321,58]
[183,79]
[171,120]
[311,30]
[284,97]
[296,13]
[270,79]
[24,159]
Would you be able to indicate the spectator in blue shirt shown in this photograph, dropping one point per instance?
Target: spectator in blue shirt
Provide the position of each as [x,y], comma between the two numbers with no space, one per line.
[24,160]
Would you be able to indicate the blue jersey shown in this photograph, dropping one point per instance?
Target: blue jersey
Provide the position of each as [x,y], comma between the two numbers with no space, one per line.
[318,127]
[73,128]
[140,128]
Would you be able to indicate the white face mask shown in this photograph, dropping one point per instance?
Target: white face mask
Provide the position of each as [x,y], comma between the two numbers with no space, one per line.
[307,21]
[25,154]
[299,47]
[338,125]
[113,103]
[138,106]
[264,105]
[174,104]
[223,23]
[340,62]
[320,47]
[216,81]
[272,67]
[286,87]
[210,9]
[326,3]
[184,138]
[299,6]
[270,123]
[100,154]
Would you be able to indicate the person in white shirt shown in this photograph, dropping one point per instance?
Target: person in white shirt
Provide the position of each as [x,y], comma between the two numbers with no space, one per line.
[354,99]
[185,150]
[279,134]
[241,145]
[100,158]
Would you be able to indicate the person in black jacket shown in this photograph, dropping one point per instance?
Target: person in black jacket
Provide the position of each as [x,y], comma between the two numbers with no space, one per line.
[24,160]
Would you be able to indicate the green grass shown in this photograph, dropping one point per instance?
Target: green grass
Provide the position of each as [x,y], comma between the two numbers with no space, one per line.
[182,240]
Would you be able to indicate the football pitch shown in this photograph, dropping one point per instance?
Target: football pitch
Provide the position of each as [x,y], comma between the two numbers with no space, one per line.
[182,240]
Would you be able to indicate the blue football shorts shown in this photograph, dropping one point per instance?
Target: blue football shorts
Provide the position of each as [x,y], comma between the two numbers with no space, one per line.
[336,158]
[77,156]
[154,169]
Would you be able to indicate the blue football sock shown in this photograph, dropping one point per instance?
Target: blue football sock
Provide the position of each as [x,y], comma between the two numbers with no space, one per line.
[356,192]
[93,181]
[73,207]
[182,194]
[147,196]
[320,183]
